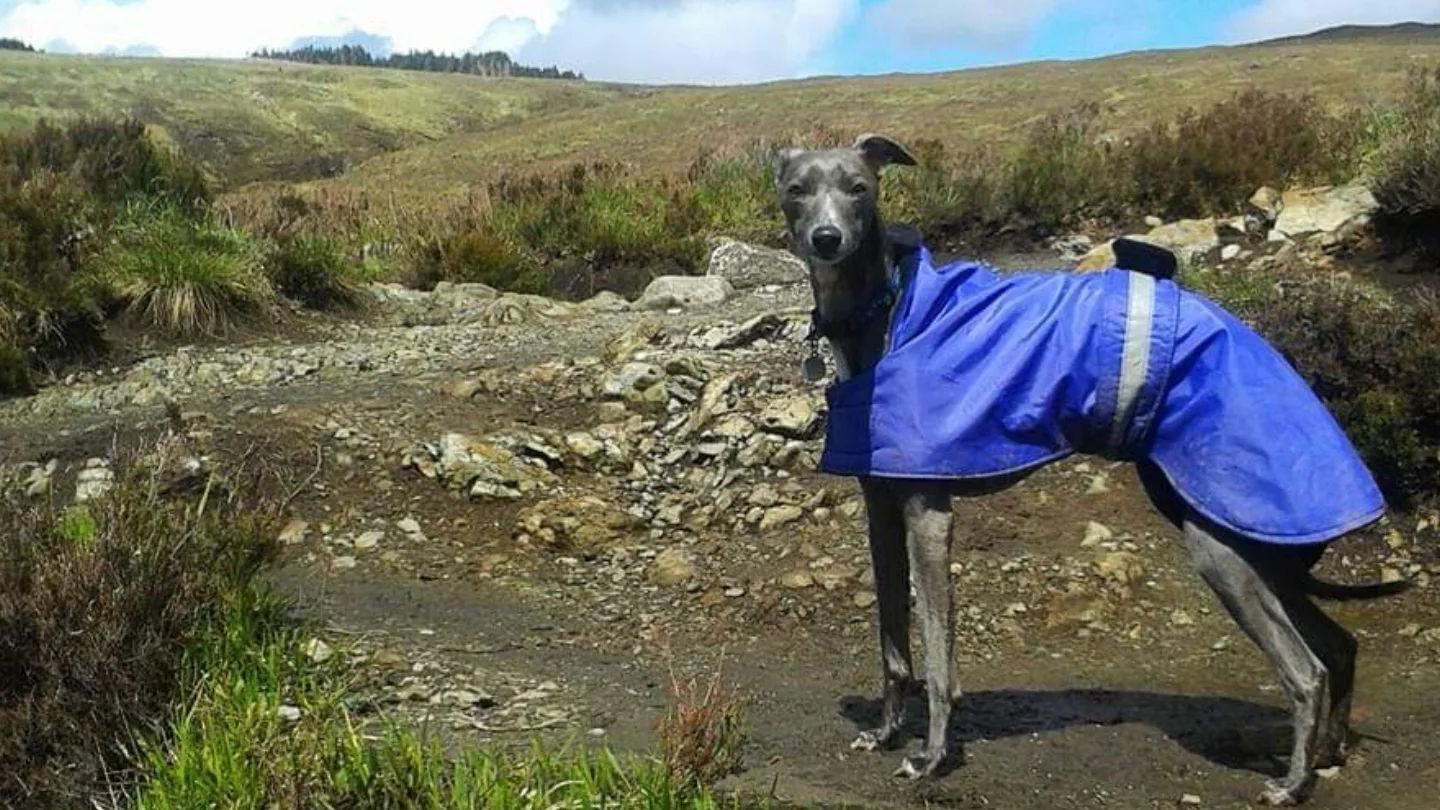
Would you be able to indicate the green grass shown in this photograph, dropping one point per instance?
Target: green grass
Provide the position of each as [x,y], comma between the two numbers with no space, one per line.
[185,276]
[250,120]
[230,746]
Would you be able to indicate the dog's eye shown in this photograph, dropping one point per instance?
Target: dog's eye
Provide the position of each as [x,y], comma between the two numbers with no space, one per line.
[859,189]
[794,190]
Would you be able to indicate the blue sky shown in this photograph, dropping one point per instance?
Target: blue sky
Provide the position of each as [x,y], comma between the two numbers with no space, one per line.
[704,41]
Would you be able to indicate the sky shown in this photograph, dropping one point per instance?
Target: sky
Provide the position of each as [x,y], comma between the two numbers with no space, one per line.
[691,41]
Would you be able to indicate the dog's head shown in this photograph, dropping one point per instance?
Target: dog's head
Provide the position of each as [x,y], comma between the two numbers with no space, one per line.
[829,196]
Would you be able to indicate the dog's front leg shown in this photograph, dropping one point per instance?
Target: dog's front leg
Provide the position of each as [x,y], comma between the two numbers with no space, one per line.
[892,596]
[926,509]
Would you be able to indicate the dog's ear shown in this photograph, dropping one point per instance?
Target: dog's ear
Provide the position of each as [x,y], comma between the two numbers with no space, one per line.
[880,151]
[782,160]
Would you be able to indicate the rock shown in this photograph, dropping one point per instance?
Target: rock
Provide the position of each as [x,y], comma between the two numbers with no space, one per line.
[1179,618]
[798,580]
[1098,259]
[288,713]
[636,383]
[1153,221]
[368,540]
[584,522]
[584,445]
[1268,203]
[605,301]
[94,481]
[1328,210]
[343,563]
[294,532]
[672,567]
[863,599]
[37,483]
[318,651]
[1188,239]
[408,525]
[1190,799]
[745,266]
[632,339]
[1073,247]
[712,400]
[1229,252]
[1095,534]
[481,469]
[685,292]
[760,327]
[1119,567]
[777,516]
[794,417]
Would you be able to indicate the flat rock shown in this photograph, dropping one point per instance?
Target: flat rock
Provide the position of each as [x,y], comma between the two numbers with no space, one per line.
[745,266]
[1326,210]
[685,292]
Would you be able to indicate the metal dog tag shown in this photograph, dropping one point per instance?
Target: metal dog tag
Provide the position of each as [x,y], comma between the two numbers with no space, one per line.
[813,368]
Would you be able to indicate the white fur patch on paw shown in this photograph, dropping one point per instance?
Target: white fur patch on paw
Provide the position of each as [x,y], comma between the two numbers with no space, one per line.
[867,741]
[909,769]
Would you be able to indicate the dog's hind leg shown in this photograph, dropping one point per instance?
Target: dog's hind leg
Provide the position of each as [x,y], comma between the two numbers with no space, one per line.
[928,521]
[1262,601]
[1336,647]
[892,596]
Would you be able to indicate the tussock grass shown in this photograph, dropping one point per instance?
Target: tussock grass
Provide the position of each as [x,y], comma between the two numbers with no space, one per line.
[315,271]
[185,276]
[702,732]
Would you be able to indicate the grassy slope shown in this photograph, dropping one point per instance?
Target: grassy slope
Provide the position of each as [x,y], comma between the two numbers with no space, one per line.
[666,128]
[253,120]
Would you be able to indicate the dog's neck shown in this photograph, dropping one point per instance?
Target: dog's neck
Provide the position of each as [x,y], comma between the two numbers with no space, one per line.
[843,288]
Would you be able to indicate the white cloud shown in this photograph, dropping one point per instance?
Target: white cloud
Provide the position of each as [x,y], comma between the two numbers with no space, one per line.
[1275,18]
[236,27]
[507,34]
[695,41]
[971,23]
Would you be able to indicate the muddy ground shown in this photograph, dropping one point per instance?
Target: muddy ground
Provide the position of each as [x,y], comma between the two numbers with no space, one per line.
[618,533]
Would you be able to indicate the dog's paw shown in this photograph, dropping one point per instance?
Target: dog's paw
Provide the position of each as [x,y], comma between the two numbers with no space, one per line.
[875,740]
[1285,792]
[917,767]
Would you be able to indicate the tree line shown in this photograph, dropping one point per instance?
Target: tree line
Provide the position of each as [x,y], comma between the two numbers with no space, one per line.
[490,63]
[8,44]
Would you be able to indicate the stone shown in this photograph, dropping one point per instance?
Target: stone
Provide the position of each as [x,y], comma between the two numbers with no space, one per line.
[318,651]
[636,383]
[1189,239]
[368,540]
[583,522]
[288,713]
[672,567]
[1230,252]
[746,266]
[1326,210]
[37,483]
[631,339]
[94,481]
[1095,534]
[408,525]
[760,327]
[1072,247]
[863,599]
[343,563]
[294,532]
[778,516]
[1268,203]
[1153,221]
[712,402]
[794,417]
[685,292]
[1099,259]
[798,580]
[1190,799]
[480,468]
[584,445]
[1120,567]
[605,301]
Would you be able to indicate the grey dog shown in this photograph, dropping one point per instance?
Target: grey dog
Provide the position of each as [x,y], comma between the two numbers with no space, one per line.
[830,201]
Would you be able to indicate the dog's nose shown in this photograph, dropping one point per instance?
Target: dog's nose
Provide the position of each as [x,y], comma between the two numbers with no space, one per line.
[826,240]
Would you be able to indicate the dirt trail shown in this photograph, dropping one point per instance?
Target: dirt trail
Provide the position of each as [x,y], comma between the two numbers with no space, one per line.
[621,530]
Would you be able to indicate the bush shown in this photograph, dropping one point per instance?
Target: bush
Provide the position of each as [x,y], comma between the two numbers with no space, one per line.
[14,371]
[1062,174]
[944,195]
[475,254]
[1372,358]
[703,730]
[1211,162]
[97,605]
[1407,163]
[315,271]
[185,276]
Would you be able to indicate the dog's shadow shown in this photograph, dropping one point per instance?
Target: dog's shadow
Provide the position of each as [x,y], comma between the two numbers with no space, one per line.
[1226,731]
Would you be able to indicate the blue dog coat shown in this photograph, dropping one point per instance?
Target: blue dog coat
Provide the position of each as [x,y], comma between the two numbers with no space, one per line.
[987,375]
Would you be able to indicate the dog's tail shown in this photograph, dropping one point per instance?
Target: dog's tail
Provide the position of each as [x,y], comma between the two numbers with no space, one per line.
[1336,592]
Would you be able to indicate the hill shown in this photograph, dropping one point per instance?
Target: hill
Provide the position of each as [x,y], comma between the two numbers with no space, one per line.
[252,120]
[665,128]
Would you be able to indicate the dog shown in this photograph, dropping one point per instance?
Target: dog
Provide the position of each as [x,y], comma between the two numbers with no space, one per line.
[1142,375]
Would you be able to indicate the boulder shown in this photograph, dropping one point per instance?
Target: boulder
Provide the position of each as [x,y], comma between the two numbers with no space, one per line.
[1327,210]
[672,567]
[636,383]
[1267,202]
[1188,239]
[685,292]
[746,266]
[794,417]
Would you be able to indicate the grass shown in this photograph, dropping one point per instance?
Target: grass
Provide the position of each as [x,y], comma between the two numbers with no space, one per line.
[185,276]
[143,664]
[252,120]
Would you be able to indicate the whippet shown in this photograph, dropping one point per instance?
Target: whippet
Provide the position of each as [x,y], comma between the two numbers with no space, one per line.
[861,282]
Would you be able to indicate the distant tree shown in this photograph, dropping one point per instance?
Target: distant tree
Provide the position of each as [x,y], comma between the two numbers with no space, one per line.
[489,63]
[8,44]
